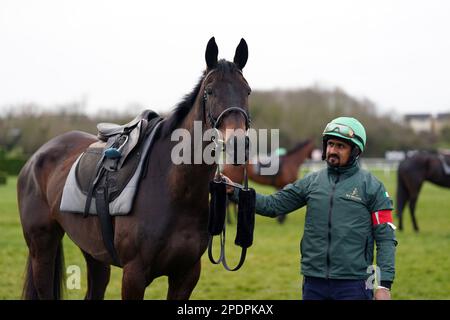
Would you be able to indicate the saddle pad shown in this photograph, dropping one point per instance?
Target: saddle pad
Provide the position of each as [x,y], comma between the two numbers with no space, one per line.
[121,201]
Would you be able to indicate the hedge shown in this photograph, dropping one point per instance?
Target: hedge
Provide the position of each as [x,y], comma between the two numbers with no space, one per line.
[12,166]
[3,177]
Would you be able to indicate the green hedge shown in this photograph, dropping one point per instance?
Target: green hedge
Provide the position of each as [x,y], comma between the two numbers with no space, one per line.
[11,166]
[3,177]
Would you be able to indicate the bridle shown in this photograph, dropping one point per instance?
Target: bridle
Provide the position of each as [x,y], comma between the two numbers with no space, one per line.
[215,122]
[218,147]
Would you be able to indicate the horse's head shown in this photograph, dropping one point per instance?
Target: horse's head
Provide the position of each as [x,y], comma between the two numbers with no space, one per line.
[310,147]
[225,93]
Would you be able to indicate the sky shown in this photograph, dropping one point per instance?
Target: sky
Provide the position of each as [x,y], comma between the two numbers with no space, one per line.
[148,54]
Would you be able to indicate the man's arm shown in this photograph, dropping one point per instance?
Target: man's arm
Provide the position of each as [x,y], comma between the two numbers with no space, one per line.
[284,201]
[386,244]
[384,234]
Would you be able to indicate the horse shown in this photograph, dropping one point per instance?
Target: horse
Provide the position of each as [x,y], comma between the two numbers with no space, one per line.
[166,232]
[289,165]
[412,172]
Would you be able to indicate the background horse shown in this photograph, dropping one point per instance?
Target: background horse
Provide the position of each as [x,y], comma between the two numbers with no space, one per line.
[166,232]
[411,174]
[289,166]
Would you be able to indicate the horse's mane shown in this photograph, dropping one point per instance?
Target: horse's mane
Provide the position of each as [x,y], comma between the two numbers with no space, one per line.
[183,108]
[298,147]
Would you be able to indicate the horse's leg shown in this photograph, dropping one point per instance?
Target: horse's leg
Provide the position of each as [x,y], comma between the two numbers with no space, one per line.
[182,284]
[47,262]
[133,281]
[412,209]
[98,278]
[43,237]
[414,191]
[402,197]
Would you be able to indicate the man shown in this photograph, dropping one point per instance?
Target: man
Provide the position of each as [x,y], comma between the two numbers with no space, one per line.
[348,209]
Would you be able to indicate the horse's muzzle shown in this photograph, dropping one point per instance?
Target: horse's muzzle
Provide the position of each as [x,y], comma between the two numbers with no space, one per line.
[237,149]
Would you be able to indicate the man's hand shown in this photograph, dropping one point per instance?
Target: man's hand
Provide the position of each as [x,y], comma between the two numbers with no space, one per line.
[382,294]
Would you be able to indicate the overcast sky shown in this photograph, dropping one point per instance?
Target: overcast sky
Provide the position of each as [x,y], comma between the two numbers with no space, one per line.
[111,54]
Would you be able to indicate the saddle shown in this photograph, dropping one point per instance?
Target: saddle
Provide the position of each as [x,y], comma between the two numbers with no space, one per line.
[106,167]
[445,160]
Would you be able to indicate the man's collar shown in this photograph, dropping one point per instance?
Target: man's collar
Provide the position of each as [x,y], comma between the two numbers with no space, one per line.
[348,170]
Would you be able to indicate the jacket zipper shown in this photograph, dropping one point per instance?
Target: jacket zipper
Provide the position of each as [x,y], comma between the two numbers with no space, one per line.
[329,225]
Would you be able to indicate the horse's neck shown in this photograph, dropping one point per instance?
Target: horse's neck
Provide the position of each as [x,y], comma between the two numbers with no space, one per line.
[191,181]
[298,157]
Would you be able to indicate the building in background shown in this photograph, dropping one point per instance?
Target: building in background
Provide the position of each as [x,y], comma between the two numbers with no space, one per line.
[442,121]
[420,123]
[426,122]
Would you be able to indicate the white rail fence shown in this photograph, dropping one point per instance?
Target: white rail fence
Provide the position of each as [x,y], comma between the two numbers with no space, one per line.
[371,164]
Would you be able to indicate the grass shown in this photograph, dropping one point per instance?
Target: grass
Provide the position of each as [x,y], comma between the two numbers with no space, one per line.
[272,267]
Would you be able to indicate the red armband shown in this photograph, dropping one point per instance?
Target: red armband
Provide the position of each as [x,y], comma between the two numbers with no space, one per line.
[382,216]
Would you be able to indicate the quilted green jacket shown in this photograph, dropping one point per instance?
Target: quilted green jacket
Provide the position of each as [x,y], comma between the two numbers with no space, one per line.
[341,224]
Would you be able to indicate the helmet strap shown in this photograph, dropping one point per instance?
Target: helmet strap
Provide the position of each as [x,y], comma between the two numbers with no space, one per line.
[354,155]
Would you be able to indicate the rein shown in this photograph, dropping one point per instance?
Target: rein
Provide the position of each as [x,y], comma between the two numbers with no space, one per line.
[246,222]
[218,202]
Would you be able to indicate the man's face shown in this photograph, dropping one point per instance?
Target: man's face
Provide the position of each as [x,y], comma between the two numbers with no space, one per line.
[338,152]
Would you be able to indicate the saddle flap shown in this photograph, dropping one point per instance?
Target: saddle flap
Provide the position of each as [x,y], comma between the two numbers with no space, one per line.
[117,180]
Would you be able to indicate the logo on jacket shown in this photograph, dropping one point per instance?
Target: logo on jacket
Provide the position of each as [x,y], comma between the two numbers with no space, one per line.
[354,195]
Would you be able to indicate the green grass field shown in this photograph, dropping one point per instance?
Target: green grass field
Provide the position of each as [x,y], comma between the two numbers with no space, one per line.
[272,268]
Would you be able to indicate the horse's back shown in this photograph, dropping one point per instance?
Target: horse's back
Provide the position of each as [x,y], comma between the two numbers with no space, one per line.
[414,162]
[49,165]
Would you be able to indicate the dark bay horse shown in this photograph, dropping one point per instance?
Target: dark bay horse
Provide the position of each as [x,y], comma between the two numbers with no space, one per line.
[411,174]
[288,169]
[166,232]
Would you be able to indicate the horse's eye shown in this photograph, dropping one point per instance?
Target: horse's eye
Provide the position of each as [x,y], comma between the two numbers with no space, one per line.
[249,92]
[209,90]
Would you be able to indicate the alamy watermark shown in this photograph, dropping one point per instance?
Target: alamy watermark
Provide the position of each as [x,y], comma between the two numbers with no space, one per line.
[191,148]
[374,278]
[73,281]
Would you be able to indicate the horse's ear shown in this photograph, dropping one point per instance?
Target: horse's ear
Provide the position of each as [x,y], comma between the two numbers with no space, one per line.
[211,54]
[241,55]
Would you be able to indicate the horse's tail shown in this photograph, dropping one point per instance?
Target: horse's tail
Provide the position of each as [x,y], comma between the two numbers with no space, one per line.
[402,194]
[29,289]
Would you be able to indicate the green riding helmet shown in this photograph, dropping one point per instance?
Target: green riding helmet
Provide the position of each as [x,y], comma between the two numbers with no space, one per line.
[346,128]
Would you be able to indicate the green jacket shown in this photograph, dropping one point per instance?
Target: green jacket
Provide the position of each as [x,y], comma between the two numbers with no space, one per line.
[339,236]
